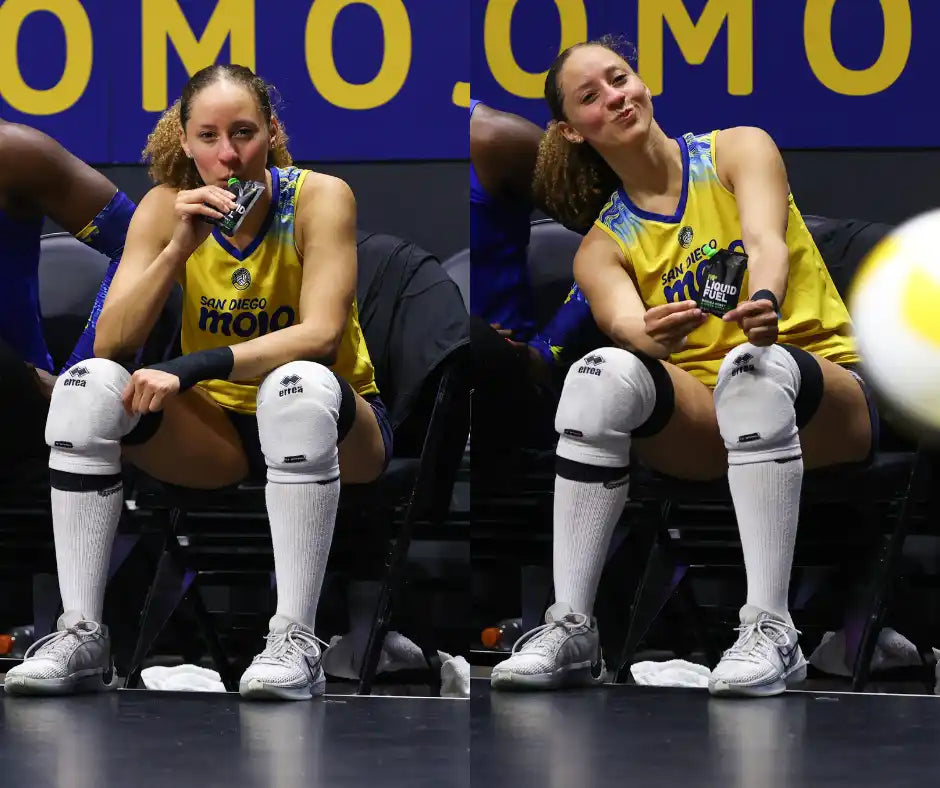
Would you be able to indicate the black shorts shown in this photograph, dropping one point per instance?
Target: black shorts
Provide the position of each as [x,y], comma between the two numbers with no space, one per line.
[873,415]
[246,425]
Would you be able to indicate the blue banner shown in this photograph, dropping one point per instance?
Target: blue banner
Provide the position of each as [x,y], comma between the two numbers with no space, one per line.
[813,73]
[358,80]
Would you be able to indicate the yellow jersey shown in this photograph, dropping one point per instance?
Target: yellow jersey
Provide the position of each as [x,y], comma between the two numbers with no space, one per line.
[232,296]
[666,253]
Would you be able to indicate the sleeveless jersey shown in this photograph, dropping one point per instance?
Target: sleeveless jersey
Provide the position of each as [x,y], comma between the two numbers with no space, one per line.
[666,255]
[499,268]
[232,295]
[20,318]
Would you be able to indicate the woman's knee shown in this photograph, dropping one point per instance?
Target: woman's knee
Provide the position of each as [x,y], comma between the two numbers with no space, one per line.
[609,395]
[304,410]
[755,403]
[87,419]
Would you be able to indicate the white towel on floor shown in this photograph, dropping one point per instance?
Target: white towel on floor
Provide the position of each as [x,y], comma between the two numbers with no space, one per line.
[455,676]
[893,650]
[673,673]
[398,653]
[182,678]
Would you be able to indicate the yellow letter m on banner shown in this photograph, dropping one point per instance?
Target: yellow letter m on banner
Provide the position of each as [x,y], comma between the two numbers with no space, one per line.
[163,21]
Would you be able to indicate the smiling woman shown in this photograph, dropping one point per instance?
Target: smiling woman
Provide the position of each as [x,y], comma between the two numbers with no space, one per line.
[754,393]
[275,376]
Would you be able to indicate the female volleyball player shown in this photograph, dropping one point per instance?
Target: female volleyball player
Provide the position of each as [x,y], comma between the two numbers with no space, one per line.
[756,393]
[274,375]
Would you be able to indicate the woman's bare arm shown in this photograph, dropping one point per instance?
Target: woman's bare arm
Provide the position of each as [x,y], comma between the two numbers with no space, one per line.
[600,271]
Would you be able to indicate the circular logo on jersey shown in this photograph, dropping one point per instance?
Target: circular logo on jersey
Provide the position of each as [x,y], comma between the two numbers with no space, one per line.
[685,237]
[241,279]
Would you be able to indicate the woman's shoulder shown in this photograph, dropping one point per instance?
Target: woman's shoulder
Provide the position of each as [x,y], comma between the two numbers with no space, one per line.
[322,201]
[156,206]
[323,185]
[158,197]
[748,136]
[323,195]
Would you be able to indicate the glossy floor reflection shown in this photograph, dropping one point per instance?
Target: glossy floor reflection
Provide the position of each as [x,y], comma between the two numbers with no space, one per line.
[654,737]
[139,739]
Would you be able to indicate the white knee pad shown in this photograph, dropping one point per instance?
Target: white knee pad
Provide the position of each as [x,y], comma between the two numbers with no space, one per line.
[298,413]
[754,401]
[87,418]
[607,394]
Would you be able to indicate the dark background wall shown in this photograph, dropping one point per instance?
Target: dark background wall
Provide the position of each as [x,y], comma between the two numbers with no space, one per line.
[877,185]
[425,202]
[874,185]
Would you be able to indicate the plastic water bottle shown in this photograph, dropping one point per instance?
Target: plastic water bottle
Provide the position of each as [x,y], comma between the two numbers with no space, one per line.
[503,635]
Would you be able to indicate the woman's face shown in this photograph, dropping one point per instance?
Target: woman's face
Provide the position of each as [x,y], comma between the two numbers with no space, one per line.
[605,102]
[226,134]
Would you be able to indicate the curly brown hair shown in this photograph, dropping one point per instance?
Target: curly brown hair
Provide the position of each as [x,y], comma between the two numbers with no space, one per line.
[571,180]
[168,163]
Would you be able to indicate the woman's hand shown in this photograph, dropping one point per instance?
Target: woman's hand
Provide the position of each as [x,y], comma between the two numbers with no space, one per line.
[758,321]
[148,390]
[671,324]
[191,208]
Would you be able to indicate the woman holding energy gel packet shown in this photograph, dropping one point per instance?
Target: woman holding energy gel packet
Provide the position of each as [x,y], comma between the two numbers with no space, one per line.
[275,376]
[758,392]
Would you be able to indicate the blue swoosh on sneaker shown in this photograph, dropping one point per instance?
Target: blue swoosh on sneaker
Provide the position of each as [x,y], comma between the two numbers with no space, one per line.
[788,654]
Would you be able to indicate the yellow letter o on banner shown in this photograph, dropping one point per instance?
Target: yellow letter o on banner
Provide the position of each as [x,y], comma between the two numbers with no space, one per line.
[78,56]
[396,60]
[497,44]
[817,37]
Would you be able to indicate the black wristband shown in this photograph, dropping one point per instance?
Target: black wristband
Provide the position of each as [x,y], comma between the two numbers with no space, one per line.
[766,295]
[212,364]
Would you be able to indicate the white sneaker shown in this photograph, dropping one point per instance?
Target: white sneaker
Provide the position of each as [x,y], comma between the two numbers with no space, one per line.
[563,652]
[289,667]
[74,658]
[765,660]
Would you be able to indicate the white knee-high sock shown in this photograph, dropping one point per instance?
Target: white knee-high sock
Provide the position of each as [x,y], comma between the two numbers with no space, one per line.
[302,519]
[83,525]
[585,514]
[766,499]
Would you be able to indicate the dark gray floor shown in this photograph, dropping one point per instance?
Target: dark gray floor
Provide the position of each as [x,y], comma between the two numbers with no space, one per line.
[142,739]
[652,737]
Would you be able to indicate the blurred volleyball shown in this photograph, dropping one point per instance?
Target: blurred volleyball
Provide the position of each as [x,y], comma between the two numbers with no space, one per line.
[894,300]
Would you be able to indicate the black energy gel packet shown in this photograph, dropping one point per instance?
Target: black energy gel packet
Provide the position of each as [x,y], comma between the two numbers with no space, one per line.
[721,283]
[246,194]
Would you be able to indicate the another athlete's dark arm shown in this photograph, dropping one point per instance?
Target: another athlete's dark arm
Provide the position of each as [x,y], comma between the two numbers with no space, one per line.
[503,149]
[44,178]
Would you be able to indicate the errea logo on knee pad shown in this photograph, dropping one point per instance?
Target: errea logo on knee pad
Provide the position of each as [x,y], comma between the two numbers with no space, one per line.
[289,385]
[75,377]
[742,364]
[591,365]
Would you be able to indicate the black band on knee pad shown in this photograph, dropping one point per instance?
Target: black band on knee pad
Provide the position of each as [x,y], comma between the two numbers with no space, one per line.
[146,428]
[347,409]
[82,482]
[580,472]
[811,385]
[665,404]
